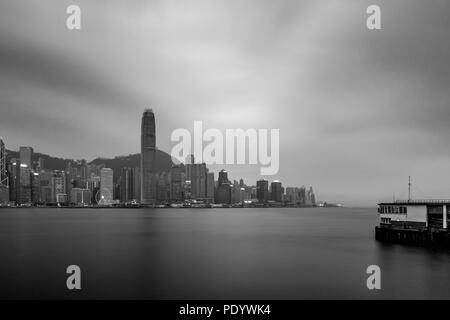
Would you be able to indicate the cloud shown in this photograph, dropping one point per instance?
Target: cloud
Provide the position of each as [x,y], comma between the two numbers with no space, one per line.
[358,110]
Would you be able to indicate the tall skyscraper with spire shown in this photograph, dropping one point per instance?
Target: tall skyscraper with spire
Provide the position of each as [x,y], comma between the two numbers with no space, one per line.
[148,153]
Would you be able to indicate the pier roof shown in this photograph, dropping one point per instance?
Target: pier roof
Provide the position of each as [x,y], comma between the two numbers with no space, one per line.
[424,202]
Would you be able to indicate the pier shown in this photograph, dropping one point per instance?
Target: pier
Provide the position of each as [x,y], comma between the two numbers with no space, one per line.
[419,237]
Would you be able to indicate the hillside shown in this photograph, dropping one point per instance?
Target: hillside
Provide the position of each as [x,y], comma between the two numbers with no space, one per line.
[163,161]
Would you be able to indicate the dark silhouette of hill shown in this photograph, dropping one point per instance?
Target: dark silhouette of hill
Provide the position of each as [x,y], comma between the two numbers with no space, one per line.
[163,161]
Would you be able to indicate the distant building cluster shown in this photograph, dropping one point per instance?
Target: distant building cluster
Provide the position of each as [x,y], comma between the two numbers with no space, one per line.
[27,182]
[24,182]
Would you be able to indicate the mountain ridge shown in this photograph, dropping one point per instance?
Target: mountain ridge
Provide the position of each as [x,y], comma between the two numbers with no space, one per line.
[163,161]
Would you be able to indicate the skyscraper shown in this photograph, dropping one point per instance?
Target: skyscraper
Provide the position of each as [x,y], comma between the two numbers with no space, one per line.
[196,173]
[210,186]
[106,186]
[3,178]
[262,190]
[126,185]
[26,155]
[276,191]
[223,192]
[223,177]
[59,186]
[176,184]
[148,151]
[4,185]
[137,183]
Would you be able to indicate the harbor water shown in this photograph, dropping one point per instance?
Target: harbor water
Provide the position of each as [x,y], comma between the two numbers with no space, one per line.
[273,253]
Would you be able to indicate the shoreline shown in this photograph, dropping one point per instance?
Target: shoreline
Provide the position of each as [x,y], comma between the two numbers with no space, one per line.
[163,207]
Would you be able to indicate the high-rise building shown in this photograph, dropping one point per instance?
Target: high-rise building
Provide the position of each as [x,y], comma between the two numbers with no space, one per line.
[224,189]
[303,195]
[35,188]
[59,194]
[137,184]
[196,174]
[148,153]
[223,177]
[262,190]
[176,184]
[106,186]
[4,183]
[276,191]
[126,185]
[210,184]
[45,186]
[26,156]
[294,196]
[310,199]
[93,184]
[163,187]
[20,182]
[84,170]
[223,193]
[3,176]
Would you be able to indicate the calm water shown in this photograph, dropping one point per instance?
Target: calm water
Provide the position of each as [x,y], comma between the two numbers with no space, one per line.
[210,254]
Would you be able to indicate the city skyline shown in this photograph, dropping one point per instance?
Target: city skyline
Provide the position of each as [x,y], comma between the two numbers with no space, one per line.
[30,183]
[359,111]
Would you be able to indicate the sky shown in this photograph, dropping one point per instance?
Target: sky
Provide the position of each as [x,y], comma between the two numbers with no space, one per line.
[358,110]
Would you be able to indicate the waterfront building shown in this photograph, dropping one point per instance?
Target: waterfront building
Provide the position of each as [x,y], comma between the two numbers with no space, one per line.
[20,179]
[421,222]
[45,186]
[276,191]
[176,184]
[61,198]
[59,193]
[4,181]
[3,175]
[187,189]
[210,184]
[310,198]
[80,196]
[262,191]
[163,187]
[148,153]
[294,196]
[137,184]
[35,188]
[126,184]
[223,177]
[223,193]
[93,184]
[196,173]
[106,186]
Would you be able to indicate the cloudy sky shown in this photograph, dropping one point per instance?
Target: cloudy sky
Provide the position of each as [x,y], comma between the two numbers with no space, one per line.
[358,110]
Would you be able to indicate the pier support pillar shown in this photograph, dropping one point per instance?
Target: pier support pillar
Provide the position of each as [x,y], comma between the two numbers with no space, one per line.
[445,217]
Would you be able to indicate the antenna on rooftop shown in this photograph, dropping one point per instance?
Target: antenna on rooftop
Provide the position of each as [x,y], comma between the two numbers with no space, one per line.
[409,189]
